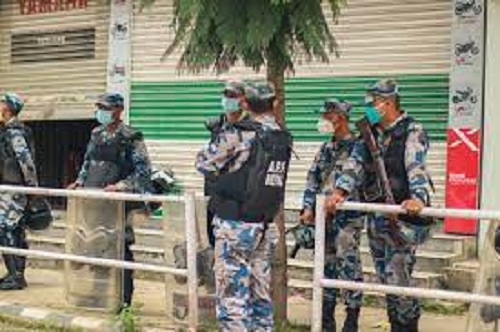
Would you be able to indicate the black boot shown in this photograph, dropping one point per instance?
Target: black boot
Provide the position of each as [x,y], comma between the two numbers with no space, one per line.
[396,326]
[14,280]
[351,320]
[412,326]
[329,324]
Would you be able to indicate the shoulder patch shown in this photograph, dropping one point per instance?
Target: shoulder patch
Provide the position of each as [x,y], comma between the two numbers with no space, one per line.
[97,129]
[415,126]
[131,134]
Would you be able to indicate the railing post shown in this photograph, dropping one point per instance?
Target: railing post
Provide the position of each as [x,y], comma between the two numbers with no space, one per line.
[190,215]
[319,265]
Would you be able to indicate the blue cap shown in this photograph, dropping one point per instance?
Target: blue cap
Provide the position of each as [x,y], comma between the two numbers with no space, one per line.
[111,100]
[13,102]
[236,87]
[259,91]
[384,88]
[336,105]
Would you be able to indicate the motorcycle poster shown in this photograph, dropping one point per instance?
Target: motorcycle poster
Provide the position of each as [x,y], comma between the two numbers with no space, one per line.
[465,112]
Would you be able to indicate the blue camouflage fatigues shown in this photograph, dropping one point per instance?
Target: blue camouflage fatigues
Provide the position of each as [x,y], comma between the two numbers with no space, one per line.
[394,263]
[134,157]
[344,230]
[12,205]
[242,254]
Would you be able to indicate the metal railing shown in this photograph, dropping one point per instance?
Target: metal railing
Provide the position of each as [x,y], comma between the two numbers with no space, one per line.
[191,239]
[319,282]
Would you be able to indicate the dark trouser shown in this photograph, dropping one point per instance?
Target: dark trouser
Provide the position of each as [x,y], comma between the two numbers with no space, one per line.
[15,238]
[210,228]
[128,277]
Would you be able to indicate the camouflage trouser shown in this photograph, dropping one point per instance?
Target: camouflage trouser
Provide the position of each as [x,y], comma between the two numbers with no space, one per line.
[394,263]
[11,209]
[343,261]
[243,275]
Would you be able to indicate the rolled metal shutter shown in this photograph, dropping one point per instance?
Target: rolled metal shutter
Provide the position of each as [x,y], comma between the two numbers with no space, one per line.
[54,53]
[408,40]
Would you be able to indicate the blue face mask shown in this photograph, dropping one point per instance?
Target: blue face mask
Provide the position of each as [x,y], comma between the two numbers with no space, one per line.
[230,105]
[104,117]
[372,115]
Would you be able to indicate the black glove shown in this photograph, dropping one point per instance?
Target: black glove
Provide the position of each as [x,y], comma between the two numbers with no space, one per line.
[497,240]
[214,125]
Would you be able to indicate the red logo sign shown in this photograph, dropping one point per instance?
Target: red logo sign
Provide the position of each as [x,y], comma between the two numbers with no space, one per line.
[462,177]
[31,7]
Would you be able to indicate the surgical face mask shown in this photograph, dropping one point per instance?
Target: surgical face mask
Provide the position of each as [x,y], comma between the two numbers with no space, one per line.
[230,105]
[373,116]
[103,117]
[325,127]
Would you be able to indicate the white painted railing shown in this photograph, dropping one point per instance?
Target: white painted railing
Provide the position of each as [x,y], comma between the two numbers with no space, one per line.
[190,217]
[319,282]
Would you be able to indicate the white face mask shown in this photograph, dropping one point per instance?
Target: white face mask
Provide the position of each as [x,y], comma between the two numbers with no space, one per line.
[325,127]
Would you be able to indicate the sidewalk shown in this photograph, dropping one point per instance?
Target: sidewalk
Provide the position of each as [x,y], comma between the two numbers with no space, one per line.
[46,291]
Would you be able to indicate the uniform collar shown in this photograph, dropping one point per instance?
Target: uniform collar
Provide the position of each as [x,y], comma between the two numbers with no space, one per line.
[393,125]
[343,141]
[13,121]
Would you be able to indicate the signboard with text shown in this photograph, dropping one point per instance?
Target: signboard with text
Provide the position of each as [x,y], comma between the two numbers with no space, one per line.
[465,113]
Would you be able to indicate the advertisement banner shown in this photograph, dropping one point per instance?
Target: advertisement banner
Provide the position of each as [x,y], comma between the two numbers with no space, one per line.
[462,177]
[465,112]
[120,49]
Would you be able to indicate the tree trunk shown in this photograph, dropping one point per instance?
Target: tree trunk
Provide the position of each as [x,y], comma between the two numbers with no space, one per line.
[276,75]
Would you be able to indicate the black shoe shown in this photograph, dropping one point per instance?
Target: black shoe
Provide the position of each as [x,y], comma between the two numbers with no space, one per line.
[4,277]
[13,282]
[351,320]
[412,326]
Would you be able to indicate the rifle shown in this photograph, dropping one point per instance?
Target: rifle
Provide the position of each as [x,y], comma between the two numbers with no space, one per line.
[365,129]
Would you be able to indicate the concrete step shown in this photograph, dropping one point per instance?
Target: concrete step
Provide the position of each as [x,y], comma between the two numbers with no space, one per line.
[299,268]
[440,242]
[427,261]
[462,275]
[303,270]
[154,237]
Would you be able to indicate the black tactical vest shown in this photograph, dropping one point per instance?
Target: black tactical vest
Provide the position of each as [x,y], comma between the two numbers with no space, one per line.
[10,171]
[255,192]
[111,159]
[394,160]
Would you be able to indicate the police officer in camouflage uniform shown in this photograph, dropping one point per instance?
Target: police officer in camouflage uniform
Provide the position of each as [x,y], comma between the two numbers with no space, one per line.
[404,145]
[17,167]
[344,230]
[117,161]
[250,188]
[232,97]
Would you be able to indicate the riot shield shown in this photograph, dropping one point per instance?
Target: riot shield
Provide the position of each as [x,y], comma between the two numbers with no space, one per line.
[175,249]
[484,318]
[95,228]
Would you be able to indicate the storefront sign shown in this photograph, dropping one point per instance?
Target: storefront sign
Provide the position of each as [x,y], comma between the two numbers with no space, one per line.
[119,49]
[32,7]
[465,112]
[462,177]
[56,45]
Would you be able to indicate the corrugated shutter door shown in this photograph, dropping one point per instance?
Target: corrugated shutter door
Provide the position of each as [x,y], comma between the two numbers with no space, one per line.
[376,37]
[54,56]
[177,110]
[151,35]
[389,37]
